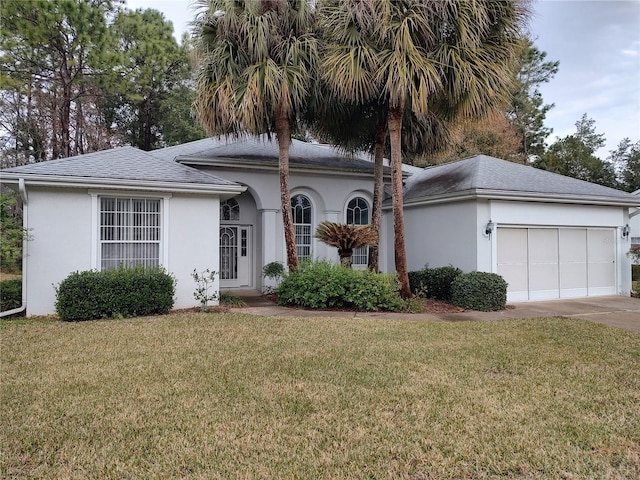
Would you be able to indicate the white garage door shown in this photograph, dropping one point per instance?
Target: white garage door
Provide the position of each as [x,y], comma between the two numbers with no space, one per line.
[547,263]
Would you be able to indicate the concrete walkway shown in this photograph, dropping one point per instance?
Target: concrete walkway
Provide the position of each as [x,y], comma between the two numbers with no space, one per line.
[615,311]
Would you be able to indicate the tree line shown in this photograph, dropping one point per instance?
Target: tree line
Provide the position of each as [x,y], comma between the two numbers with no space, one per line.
[81,76]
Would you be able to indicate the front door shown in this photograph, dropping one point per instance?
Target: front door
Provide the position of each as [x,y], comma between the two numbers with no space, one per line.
[235,255]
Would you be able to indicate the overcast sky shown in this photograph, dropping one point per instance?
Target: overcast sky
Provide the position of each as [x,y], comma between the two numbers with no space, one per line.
[597,43]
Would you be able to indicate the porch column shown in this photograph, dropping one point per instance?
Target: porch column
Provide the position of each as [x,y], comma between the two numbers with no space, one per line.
[268,243]
[330,253]
[333,216]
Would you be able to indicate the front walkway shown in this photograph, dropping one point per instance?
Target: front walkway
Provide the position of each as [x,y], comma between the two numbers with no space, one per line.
[615,311]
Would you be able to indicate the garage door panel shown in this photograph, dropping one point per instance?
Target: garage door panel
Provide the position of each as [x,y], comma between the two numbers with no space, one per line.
[512,246]
[512,262]
[515,276]
[544,277]
[599,246]
[547,263]
[601,268]
[573,245]
[601,275]
[573,275]
[543,245]
[573,262]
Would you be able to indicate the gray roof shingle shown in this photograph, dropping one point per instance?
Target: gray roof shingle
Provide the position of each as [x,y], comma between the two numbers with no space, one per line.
[264,152]
[122,163]
[482,173]
[170,153]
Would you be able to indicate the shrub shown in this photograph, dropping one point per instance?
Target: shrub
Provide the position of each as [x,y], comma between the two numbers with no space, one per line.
[125,292]
[635,273]
[10,294]
[434,282]
[479,291]
[325,285]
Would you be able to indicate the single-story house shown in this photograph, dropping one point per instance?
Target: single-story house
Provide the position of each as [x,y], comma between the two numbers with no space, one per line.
[216,204]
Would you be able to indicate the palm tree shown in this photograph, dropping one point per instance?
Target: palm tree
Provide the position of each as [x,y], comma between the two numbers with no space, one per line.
[446,58]
[256,66]
[346,238]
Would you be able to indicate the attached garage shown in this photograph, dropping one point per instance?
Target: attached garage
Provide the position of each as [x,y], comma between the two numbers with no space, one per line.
[548,235]
[548,263]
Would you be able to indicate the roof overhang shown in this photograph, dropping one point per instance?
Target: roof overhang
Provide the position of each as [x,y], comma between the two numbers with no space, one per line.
[272,166]
[518,196]
[122,184]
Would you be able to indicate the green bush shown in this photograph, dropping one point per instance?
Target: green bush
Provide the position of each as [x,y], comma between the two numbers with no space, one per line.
[434,282]
[635,273]
[125,292]
[479,291]
[325,285]
[10,294]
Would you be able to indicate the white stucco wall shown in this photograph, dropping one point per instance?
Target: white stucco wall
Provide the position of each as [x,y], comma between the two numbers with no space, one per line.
[59,222]
[438,235]
[194,240]
[62,223]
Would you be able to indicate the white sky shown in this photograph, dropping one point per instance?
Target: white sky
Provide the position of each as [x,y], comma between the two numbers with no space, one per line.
[596,41]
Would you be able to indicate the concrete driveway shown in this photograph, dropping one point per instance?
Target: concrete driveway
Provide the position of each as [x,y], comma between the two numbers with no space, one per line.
[615,311]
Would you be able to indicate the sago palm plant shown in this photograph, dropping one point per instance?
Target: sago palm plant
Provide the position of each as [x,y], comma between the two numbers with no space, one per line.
[346,238]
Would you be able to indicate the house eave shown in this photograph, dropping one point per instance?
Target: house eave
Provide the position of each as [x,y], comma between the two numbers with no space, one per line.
[121,184]
[518,196]
[261,167]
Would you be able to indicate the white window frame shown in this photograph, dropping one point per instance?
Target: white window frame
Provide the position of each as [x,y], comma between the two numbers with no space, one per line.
[96,242]
[299,246]
[362,252]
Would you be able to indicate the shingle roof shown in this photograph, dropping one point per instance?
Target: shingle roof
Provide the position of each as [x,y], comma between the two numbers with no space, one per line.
[122,163]
[482,173]
[170,153]
[264,152]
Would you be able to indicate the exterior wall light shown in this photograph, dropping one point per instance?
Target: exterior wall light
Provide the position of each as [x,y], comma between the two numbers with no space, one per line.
[489,228]
[626,231]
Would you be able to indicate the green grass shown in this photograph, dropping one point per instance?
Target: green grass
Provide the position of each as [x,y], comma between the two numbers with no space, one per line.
[235,396]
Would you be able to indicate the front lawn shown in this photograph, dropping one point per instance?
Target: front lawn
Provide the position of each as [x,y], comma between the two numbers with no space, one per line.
[198,395]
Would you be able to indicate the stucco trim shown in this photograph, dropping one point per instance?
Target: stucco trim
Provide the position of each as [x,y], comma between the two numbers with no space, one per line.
[253,166]
[122,184]
[516,196]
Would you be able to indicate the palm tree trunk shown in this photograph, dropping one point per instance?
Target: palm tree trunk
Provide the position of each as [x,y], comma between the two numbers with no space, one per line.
[395,134]
[378,172]
[283,134]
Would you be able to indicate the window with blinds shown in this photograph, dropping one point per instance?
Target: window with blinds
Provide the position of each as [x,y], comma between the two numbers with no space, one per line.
[129,232]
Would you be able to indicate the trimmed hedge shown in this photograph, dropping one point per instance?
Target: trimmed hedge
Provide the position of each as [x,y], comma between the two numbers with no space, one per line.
[434,282]
[479,291]
[10,294]
[125,292]
[325,285]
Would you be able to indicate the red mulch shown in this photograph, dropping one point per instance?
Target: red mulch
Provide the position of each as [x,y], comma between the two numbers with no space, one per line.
[438,306]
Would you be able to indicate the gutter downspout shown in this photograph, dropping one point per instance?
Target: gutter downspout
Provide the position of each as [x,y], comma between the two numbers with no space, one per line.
[25,202]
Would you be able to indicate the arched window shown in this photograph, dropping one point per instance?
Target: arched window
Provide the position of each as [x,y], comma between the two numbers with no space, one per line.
[358,214]
[358,211]
[229,210]
[301,211]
